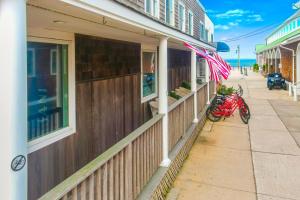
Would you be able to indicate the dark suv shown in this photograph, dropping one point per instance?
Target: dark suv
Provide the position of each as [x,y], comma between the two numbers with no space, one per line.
[275,80]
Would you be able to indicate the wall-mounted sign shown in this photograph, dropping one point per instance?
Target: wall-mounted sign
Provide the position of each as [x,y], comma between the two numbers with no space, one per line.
[18,163]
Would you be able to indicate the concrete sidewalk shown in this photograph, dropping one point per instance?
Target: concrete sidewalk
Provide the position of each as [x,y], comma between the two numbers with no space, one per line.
[231,160]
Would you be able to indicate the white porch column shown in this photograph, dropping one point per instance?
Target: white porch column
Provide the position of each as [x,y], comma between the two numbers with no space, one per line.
[163,97]
[13,101]
[207,80]
[194,83]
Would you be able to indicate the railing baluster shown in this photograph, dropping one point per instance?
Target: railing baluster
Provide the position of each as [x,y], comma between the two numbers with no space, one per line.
[91,187]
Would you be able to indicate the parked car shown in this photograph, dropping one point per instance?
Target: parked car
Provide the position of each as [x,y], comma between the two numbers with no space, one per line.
[275,80]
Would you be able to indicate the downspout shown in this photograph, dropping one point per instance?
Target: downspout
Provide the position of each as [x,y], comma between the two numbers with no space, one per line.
[293,79]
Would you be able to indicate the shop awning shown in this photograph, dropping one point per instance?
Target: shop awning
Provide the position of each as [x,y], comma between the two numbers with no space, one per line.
[218,67]
[222,47]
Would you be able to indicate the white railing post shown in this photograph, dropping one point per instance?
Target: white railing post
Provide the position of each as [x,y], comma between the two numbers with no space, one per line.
[295,93]
[207,80]
[290,89]
[163,97]
[194,83]
[13,101]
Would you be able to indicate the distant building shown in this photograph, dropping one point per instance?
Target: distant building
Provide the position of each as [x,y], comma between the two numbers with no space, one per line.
[281,52]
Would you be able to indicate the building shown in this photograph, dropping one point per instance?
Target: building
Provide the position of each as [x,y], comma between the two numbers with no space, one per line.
[281,53]
[81,83]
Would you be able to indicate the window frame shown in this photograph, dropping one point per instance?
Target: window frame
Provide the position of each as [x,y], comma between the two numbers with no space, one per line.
[33,63]
[192,24]
[202,31]
[152,8]
[55,136]
[51,67]
[172,17]
[149,49]
[183,25]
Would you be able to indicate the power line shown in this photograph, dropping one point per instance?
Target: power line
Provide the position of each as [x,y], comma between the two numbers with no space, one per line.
[251,34]
[257,30]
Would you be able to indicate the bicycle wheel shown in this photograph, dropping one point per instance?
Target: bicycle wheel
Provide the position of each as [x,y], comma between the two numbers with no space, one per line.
[210,113]
[245,113]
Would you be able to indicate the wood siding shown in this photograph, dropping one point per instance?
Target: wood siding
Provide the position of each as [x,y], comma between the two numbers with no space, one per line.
[108,108]
[191,5]
[179,68]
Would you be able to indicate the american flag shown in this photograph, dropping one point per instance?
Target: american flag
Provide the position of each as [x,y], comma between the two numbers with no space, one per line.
[218,67]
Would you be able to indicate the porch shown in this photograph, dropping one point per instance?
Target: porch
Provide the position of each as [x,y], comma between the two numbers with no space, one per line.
[92,131]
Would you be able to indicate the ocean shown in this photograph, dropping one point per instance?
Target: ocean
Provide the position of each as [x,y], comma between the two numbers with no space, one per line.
[244,62]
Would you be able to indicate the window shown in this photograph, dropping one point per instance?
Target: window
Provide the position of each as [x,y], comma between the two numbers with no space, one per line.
[30,62]
[212,37]
[53,61]
[181,17]
[200,70]
[206,35]
[202,31]
[149,74]
[48,91]
[152,7]
[191,23]
[169,12]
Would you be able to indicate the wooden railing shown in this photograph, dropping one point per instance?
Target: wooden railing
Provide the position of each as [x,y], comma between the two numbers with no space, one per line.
[181,115]
[121,172]
[201,97]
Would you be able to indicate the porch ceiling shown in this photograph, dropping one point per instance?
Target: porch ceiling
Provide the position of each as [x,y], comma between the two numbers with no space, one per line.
[43,14]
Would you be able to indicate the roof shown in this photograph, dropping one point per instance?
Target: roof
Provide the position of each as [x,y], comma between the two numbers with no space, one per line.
[295,15]
[261,48]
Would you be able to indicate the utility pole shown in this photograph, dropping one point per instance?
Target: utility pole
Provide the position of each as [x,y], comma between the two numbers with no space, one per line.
[238,53]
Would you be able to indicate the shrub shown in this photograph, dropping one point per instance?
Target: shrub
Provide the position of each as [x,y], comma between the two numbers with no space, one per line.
[186,85]
[223,90]
[255,67]
[174,95]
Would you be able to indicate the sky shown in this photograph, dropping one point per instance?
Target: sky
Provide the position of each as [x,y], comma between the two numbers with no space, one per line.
[234,18]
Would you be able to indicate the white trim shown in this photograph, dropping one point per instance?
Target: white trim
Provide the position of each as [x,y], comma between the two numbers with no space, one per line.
[151,49]
[33,63]
[51,67]
[192,24]
[121,13]
[183,28]
[71,129]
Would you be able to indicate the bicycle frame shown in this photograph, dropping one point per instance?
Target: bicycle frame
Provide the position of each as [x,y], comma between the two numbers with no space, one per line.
[229,106]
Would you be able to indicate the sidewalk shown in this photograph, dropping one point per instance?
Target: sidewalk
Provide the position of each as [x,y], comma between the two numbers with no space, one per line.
[234,161]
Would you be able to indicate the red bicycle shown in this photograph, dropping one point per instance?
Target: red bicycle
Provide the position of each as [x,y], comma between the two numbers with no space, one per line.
[225,106]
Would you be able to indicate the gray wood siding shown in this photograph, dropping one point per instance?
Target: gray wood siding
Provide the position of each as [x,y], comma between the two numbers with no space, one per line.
[191,5]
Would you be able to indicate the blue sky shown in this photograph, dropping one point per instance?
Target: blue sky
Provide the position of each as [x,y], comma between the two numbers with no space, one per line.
[233,18]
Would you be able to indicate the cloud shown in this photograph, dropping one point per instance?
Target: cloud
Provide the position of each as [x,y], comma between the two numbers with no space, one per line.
[233,23]
[221,27]
[232,13]
[211,11]
[226,27]
[255,18]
